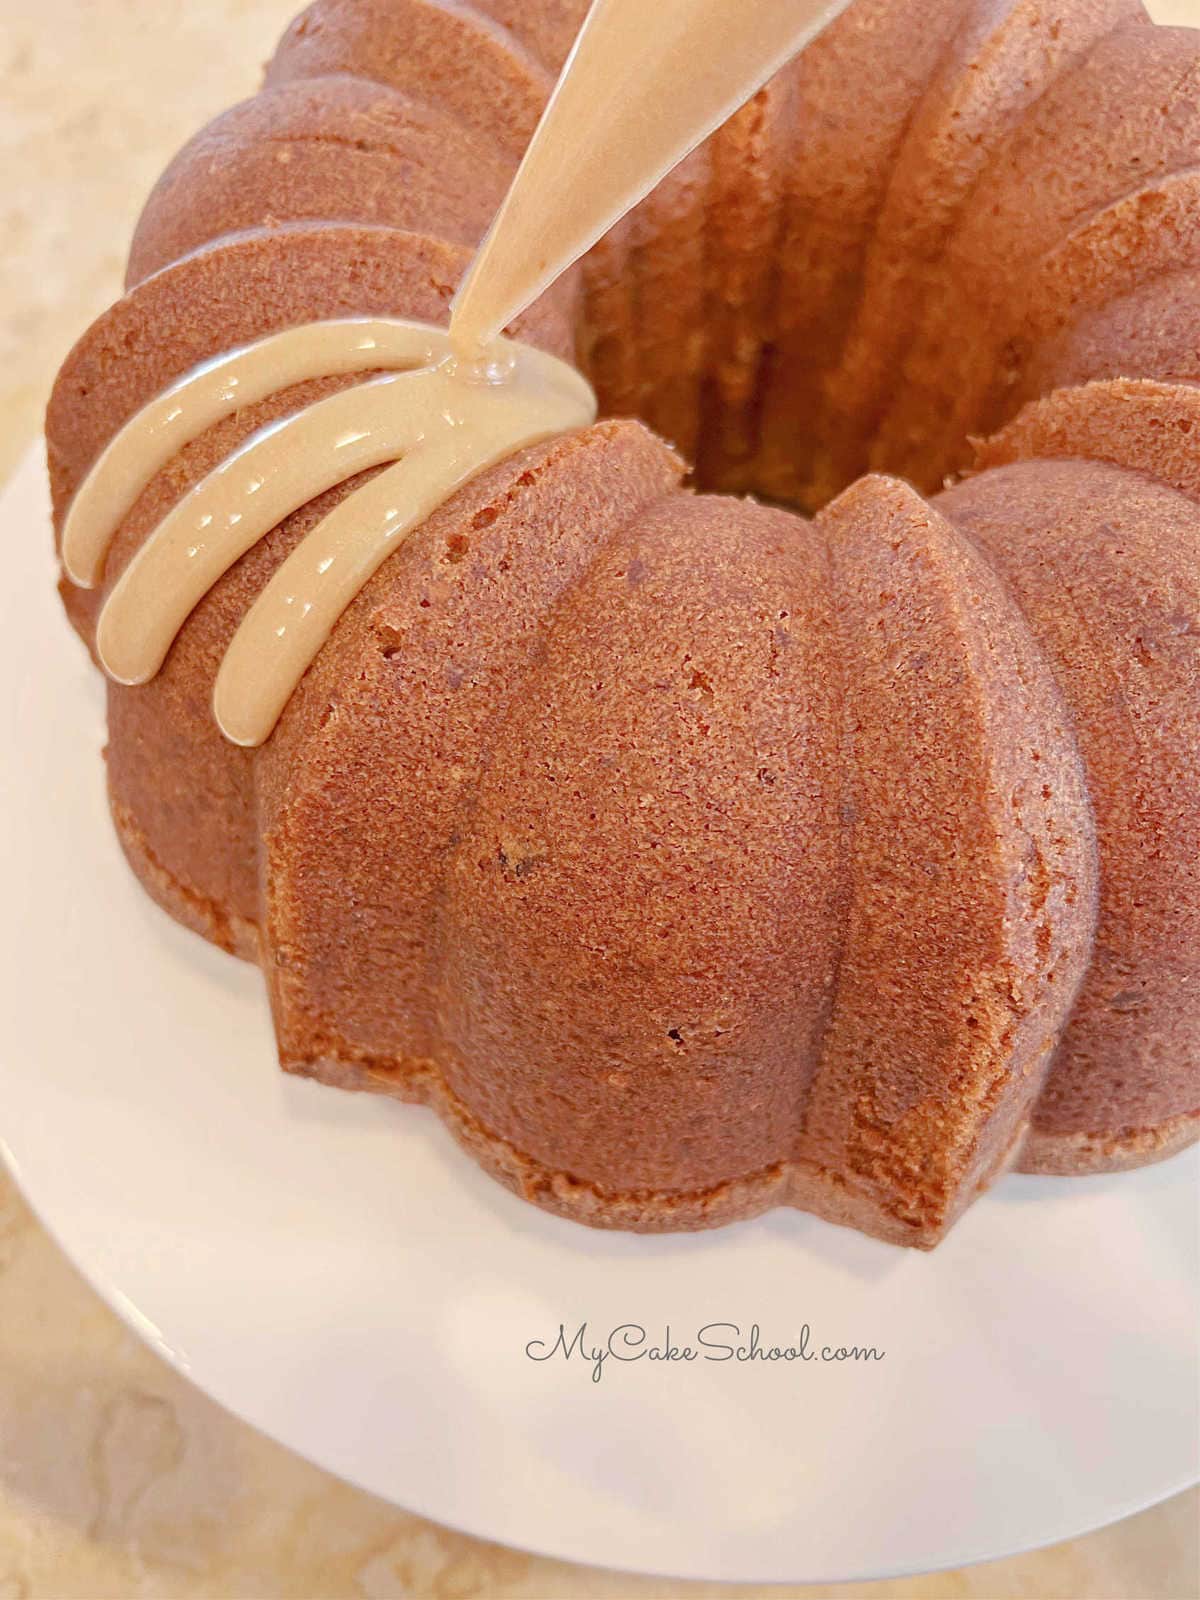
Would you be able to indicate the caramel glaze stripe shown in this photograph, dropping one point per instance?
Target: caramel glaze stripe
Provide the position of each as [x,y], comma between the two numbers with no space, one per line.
[290,621]
[443,423]
[212,391]
[274,473]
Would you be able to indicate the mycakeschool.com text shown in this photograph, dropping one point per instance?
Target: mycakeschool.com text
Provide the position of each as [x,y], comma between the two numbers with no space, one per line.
[716,1341]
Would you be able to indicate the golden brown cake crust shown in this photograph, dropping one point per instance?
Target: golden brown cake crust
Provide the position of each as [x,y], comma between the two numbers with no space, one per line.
[690,859]
[212,920]
[1075,1154]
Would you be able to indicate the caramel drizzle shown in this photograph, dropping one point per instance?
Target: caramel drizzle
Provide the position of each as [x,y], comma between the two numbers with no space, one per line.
[440,421]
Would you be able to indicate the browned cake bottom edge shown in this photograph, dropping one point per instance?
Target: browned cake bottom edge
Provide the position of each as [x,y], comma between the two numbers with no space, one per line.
[794,1184]
[1076,1154]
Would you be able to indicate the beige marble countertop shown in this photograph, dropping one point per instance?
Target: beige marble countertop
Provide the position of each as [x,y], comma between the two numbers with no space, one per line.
[116,1477]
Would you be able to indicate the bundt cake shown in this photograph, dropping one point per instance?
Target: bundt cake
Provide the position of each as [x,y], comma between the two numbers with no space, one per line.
[688,856]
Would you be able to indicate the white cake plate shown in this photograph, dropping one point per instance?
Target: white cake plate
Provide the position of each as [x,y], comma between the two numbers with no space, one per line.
[333,1270]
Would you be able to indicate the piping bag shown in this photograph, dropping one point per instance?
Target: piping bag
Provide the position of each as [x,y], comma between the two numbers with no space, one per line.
[646,82]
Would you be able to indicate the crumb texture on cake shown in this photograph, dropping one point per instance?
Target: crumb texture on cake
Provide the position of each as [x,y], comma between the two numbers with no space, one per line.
[691,856]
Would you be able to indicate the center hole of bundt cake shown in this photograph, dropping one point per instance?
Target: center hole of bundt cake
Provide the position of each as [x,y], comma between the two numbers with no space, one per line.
[774,428]
[773,383]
